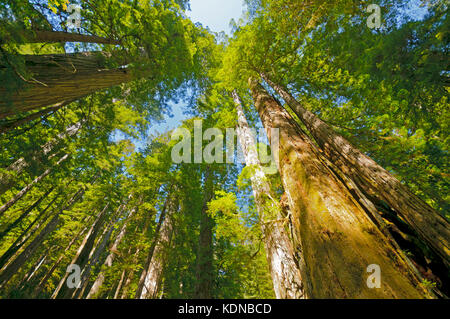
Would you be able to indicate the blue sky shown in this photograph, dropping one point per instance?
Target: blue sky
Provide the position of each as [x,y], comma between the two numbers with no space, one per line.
[216,14]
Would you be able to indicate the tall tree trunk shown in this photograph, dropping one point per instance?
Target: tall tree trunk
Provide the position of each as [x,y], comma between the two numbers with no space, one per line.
[119,285]
[338,240]
[33,270]
[42,36]
[41,285]
[14,266]
[110,259]
[151,277]
[8,178]
[26,234]
[285,272]
[82,255]
[10,125]
[374,180]
[27,188]
[205,252]
[130,275]
[25,213]
[93,261]
[59,78]
[97,251]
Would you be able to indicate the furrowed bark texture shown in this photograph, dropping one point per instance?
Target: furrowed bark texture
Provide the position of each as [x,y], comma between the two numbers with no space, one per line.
[59,78]
[337,239]
[285,272]
[374,180]
[42,36]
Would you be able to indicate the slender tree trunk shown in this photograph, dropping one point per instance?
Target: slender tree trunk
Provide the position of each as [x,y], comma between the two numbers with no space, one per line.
[93,261]
[33,270]
[374,180]
[130,275]
[5,128]
[96,253]
[109,260]
[205,252]
[14,266]
[60,78]
[8,178]
[26,234]
[37,36]
[27,188]
[25,213]
[82,256]
[338,240]
[41,285]
[151,277]
[285,272]
[120,284]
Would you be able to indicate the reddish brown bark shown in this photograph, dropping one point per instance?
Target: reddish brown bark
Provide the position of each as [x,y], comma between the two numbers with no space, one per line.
[337,239]
[374,180]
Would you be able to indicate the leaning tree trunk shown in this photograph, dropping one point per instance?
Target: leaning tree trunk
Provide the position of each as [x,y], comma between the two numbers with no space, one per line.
[96,252]
[42,36]
[284,269]
[25,213]
[10,125]
[110,259]
[27,188]
[338,241]
[41,285]
[12,268]
[26,234]
[93,261]
[374,180]
[151,277]
[8,178]
[205,252]
[82,255]
[58,78]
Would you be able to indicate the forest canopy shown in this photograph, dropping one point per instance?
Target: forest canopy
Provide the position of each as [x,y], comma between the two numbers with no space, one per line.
[312,163]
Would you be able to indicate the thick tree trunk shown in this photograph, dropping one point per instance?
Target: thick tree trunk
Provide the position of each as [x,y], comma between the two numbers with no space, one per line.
[110,259]
[37,36]
[285,272]
[14,266]
[27,188]
[82,255]
[151,277]
[338,240]
[205,252]
[59,78]
[8,179]
[374,180]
